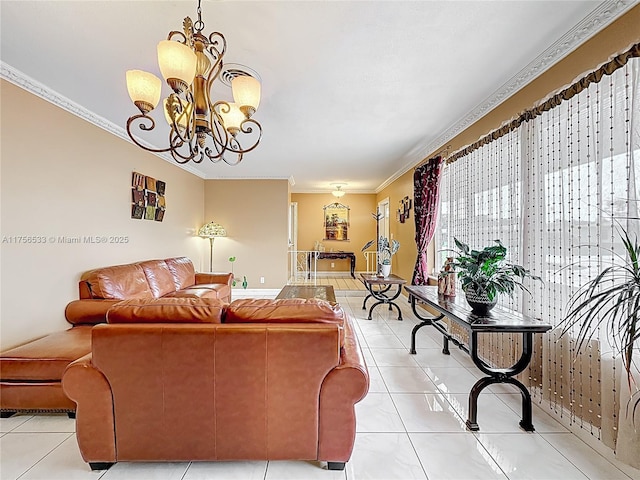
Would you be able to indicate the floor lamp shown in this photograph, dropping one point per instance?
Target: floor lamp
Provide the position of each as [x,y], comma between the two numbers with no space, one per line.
[212,230]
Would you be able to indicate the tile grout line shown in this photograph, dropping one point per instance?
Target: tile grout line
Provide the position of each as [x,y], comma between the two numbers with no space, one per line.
[569,460]
[46,454]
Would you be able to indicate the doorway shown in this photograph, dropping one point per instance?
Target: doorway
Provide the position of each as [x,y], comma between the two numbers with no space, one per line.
[293,226]
[383,208]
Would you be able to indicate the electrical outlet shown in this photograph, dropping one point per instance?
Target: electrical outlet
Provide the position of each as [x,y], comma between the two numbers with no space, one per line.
[261,279]
[333,265]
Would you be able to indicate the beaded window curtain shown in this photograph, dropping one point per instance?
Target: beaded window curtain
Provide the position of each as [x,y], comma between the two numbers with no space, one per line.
[549,188]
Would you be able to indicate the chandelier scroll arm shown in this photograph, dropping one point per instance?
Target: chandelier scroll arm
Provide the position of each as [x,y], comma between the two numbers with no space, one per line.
[175,109]
[143,127]
[175,33]
[219,133]
[247,126]
[214,40]
[177,144]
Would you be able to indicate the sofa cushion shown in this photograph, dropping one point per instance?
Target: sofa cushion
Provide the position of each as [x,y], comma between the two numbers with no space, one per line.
[213,290]
[285,310]
[118,282]
[159,277]
[167,310]
[88,311]
[183,272]
[47,357]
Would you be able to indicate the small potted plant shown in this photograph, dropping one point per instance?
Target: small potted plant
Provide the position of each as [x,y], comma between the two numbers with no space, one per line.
[386,250]
[233,278]
[485,273]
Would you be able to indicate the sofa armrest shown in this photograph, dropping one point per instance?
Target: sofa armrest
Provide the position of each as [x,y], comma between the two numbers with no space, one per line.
[88,311]
[95,424]
[225,278]
[342,388]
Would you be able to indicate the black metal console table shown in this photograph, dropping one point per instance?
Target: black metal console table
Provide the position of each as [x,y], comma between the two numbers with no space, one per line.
[498,320]
[378,288]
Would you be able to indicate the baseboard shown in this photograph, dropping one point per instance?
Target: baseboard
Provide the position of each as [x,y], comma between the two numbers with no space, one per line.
[254,292]
[333,274]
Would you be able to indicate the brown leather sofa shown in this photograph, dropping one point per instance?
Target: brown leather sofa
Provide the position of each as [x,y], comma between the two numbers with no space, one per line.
[195,379]
[30,375]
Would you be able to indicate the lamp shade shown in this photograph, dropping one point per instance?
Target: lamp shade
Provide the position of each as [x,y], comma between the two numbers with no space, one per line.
[176,61]
[144,87]
[246,91]
[212,230]
[232,117]
[338,192]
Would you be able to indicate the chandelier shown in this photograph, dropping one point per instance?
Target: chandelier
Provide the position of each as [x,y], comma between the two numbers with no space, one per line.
[338,192]
[190,63]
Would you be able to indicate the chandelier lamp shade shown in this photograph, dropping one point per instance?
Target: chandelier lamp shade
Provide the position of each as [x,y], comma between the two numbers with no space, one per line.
[199,127]
[338,192]
[212,230]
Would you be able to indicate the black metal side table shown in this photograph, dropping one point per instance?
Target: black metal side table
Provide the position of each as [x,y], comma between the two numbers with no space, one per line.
[379,288]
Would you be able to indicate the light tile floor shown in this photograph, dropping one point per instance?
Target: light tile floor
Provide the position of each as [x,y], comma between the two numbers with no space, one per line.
[410,425]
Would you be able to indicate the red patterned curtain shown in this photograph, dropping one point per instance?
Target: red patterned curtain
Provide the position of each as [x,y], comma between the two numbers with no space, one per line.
[426,192]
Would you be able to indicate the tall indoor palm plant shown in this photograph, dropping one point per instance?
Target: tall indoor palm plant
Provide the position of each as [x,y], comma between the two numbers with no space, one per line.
[611,300]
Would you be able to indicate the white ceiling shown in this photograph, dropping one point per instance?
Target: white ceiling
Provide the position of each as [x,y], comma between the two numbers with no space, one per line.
[353,91]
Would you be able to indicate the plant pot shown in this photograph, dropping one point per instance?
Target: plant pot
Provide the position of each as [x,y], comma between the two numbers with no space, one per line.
[385,270]
[479,303]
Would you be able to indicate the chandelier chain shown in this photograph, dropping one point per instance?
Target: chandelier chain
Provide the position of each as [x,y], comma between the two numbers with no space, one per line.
[199,26]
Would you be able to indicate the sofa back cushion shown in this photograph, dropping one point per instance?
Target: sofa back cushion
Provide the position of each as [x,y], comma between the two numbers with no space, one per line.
[118,282]
[160,279]
[167,310]
[285,310]
[183,272]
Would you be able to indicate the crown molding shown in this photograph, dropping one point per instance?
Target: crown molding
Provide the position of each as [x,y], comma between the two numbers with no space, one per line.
[246,177]
[328,192]
[20,79]
[601,17]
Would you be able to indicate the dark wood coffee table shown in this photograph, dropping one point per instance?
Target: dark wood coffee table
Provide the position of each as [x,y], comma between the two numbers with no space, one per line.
[323,292]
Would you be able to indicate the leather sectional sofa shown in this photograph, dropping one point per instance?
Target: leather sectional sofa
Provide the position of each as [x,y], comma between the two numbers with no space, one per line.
[188,379]
[30,374]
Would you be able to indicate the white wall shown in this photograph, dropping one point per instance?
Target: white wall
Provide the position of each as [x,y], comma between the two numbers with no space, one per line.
[61,176]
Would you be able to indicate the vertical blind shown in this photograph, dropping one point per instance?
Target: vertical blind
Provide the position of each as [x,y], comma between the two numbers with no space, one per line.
[553,190]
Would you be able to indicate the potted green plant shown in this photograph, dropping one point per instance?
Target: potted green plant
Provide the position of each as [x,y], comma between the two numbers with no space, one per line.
[233,278]
[386,250]
[485,273]
[611,300]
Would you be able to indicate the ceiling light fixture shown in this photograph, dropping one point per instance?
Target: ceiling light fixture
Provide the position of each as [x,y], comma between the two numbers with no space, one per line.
[338,192]
[190,63]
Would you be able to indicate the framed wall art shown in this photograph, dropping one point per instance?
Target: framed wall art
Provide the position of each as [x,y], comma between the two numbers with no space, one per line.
[147,197]
[404,210]
[336,222]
